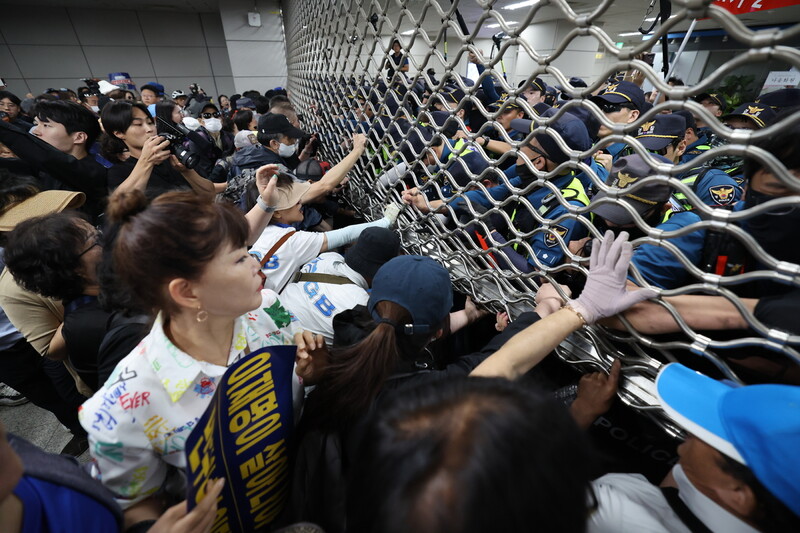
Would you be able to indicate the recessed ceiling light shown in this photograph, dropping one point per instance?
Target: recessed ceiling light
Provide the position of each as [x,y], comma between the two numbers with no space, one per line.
[519,5]
[510,23]
[629,34]
[407,32]
[651,19]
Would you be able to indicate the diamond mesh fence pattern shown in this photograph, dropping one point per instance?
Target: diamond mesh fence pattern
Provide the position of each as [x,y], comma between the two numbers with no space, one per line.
[337,57]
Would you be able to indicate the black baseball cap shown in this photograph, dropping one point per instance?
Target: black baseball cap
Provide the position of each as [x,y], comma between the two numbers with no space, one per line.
[623,92]
[661,131]
[374,247]
[625,172]
[274,123]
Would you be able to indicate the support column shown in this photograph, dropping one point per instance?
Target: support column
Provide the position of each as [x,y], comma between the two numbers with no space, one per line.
[257,54]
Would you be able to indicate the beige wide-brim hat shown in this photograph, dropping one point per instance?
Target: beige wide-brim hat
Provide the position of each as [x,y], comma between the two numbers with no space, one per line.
[289,196]
[43,203]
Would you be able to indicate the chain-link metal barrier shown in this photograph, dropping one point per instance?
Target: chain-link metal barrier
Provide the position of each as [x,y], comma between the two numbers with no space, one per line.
[337,58]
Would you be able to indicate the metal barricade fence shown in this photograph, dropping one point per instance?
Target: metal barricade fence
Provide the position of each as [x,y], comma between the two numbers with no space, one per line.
[337,51]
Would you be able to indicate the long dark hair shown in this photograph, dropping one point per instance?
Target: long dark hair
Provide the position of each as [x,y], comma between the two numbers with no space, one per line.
[356,373]
[470,455]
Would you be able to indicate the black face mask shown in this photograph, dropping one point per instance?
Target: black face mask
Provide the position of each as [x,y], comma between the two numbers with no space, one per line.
[774,230]
[525,174]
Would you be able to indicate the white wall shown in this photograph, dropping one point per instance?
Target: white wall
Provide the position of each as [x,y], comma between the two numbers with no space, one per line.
[257,54]
[579,59]
[44,47]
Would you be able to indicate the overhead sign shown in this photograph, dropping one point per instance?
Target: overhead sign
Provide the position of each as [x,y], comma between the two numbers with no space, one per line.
[739,7]
[243,437]
[782,79]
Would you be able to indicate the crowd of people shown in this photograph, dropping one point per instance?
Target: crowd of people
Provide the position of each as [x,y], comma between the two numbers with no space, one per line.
[149,243]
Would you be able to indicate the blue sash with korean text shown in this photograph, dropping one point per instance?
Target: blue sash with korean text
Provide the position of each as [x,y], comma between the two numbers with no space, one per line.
[243,437]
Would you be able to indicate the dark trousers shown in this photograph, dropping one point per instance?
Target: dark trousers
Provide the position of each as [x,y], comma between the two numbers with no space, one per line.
[43,381]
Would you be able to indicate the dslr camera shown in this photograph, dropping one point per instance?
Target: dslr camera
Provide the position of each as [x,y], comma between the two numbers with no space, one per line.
[176,135]
[93,86]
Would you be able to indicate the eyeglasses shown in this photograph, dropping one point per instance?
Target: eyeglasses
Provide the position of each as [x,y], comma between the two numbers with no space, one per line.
[607,107]
[95,241]
[215,114]
[541,154]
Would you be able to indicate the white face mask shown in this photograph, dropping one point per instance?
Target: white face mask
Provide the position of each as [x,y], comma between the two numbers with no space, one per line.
[96,109]
[287,150]
[213,124]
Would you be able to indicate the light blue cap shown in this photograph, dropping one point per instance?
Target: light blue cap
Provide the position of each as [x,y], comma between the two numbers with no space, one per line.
[757,425]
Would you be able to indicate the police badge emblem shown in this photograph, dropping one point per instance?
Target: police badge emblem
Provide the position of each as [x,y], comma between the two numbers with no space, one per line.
[722,194]
[550,237]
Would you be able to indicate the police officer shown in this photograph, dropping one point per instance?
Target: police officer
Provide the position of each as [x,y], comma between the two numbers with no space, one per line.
[780,99]
[545,155]
[622,103]
[650,200]
[454,162]
[664,135]
[715,104]
[695,144]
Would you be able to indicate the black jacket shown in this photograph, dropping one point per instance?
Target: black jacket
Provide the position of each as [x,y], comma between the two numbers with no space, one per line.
[55,169]
[323,458]
[201,143]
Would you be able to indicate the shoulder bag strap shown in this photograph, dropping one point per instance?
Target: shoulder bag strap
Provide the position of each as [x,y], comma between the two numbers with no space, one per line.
[275,248]
[684,513]
[322,278]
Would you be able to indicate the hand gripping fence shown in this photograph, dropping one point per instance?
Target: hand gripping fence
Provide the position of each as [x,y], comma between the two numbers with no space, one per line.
[337,53]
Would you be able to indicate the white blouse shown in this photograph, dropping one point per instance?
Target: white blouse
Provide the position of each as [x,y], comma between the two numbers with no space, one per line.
[139,420]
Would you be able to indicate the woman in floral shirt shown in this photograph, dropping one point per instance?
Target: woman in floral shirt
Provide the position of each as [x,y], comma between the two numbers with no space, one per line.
[185,258]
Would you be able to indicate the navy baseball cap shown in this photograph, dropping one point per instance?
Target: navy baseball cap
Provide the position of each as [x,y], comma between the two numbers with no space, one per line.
[418,138]
[717,98]
[448,124]
[536,84]
[780,99]
[760,114]
[661,131]
[158,86]
[569,127]
[623,92]
[418,284]
[756,425]
[624,173]
[508,103]
[688,117]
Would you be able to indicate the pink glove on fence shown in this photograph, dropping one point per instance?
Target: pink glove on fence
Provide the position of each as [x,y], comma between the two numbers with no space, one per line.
[605,294]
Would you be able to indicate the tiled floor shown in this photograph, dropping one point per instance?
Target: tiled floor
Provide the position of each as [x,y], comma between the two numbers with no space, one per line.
[38,426]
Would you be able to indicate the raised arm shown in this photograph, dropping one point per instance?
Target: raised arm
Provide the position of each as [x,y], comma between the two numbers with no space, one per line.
[335,175]
[261,213]
[605,295]
[154,151]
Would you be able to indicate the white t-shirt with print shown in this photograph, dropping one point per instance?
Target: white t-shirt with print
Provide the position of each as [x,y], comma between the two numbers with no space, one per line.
[140,418]
[315,304]
[299,249]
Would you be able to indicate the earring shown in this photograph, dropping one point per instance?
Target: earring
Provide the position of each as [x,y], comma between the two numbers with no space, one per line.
[202,315]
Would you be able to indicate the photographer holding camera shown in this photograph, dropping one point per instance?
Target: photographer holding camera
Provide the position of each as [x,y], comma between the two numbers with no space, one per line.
[130,127]
[210,142]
